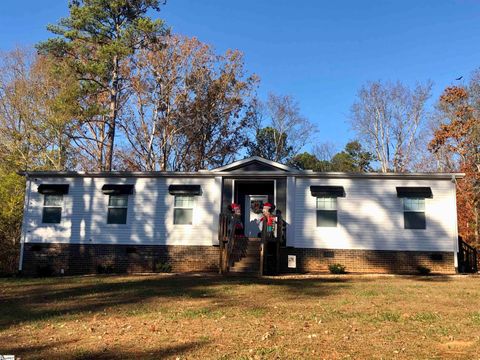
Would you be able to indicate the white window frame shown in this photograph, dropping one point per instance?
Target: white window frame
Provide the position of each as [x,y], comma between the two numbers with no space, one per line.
[191,207]
[117,207]
[53,206]
[322,204]
[413,198]
[421,209]
[332,200]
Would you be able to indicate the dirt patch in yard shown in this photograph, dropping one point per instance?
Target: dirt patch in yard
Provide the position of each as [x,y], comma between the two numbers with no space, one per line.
[213,317]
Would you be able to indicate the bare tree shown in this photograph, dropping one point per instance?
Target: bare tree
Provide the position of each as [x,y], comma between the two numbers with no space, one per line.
[281,130]
[33,127]
[325,151]
[387,118]
[189,109]
[286,118]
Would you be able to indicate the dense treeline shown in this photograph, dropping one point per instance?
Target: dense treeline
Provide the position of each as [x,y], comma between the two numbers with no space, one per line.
[116,89]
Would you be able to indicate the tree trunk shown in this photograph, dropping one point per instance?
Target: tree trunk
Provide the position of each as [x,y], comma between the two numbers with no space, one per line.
[112,114]
[477,225]
[100,158]
[150,165]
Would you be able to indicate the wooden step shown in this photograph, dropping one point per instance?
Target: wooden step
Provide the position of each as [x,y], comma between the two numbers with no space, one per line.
[251,253]
[245,267]
[246,272]
[246,253]
[252,260]
[250,264]
[248,259]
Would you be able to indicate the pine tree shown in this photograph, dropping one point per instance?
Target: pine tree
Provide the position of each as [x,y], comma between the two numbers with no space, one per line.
[94,41]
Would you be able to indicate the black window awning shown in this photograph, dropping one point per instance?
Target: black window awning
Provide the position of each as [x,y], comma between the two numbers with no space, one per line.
[414,191]
[328,191]
[185,190]
[115,189]
[53,189]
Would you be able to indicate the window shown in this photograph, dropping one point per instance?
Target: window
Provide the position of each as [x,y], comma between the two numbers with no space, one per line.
[117,209]
[414,213]
[52,208]
[326,211]
[183,210]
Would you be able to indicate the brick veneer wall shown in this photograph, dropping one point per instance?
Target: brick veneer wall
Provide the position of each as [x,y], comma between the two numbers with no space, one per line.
[96,258]
[368,261]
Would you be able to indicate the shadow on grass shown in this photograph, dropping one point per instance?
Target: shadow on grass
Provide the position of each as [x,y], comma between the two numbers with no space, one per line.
[38,351]
[38,299]
[433,278]
[31,350]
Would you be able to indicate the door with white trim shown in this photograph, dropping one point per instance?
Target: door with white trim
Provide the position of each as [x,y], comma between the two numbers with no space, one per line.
[253,213]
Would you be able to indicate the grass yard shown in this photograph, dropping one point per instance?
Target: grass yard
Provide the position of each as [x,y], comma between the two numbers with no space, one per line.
[210,317]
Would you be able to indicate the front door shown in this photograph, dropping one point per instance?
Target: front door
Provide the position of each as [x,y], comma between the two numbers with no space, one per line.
[253,213]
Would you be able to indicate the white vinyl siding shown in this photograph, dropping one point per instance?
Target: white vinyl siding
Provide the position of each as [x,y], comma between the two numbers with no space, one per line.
[371,216]
[149,213]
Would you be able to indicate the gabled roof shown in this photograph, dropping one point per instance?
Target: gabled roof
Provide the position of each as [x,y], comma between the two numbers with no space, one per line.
[255,163]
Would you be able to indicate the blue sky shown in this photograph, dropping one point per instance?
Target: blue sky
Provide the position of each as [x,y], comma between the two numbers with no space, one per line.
[320,52]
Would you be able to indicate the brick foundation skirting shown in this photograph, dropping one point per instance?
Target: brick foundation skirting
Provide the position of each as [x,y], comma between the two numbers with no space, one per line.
[368,261]
[74,259]
[50,259]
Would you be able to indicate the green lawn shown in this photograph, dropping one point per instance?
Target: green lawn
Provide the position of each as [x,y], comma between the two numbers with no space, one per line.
[208,316]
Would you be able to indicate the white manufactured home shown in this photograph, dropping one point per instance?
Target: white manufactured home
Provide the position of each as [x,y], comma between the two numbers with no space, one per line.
[76,222]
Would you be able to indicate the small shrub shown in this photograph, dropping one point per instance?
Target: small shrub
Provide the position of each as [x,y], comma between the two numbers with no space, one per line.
[163,268]
[423,270]
[336,269]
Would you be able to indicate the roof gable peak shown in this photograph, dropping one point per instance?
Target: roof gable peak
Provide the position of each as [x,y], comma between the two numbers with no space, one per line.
[255,163]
